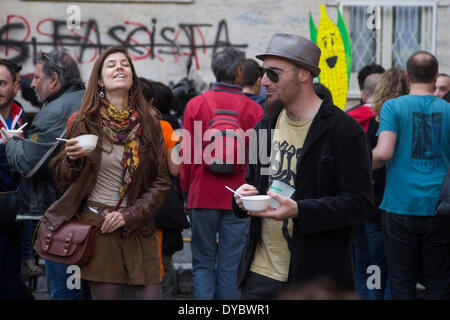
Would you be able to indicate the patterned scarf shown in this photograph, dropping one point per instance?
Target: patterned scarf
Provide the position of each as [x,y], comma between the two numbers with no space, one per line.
[123,127]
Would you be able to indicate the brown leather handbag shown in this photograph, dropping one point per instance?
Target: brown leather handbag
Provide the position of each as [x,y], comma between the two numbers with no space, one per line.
[72,243]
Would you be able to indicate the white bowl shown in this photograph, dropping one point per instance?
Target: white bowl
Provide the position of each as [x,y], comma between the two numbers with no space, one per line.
[87,141]
[256,203]
[15,133]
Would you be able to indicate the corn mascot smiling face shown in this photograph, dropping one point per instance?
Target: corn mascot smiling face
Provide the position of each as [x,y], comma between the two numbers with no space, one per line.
[336,58]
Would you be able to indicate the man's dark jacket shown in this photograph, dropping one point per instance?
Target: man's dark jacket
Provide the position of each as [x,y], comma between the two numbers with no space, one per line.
[333,191]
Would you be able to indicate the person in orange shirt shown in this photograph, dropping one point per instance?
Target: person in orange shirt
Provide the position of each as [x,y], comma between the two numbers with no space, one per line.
[160,96]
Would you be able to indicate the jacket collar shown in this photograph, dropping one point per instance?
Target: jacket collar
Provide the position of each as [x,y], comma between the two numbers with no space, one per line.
[67,89]
[319,126]
[14,115]
[226,87]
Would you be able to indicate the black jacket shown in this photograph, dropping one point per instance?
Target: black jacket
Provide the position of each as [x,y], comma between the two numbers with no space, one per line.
[333,191]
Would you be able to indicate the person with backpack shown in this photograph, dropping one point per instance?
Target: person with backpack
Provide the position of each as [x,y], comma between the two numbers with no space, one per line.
[221,114]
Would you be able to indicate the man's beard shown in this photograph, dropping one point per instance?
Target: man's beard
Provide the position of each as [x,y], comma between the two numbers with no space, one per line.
[274,107]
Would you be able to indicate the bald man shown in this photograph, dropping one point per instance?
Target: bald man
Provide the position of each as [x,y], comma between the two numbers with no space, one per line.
[414,142]
[363,113]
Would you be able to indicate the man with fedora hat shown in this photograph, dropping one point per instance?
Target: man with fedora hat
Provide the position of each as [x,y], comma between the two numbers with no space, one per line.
[324,155]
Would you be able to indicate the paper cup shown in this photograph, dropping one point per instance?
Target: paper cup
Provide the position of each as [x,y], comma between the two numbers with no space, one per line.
[282,189]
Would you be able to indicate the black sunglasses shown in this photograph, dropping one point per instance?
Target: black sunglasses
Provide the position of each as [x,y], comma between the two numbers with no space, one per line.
[273,75]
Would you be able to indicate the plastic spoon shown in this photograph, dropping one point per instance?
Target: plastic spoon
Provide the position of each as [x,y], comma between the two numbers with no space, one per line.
[234,191]
[23,126]
[61,139]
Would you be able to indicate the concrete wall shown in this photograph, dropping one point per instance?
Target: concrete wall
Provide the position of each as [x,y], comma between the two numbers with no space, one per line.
[162,36]
[442,36]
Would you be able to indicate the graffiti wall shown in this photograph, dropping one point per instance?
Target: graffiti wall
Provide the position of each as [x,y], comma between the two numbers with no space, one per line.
[22,40]
[162,38]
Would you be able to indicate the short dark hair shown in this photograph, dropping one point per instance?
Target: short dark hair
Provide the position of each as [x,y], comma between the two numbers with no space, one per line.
[367,71]
[147,89]
[251,72]
[10,66]
[225,63]
[163,97]
[60,62]
[422,67]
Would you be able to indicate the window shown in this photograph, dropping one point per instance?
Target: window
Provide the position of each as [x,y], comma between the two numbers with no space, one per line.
[387,32]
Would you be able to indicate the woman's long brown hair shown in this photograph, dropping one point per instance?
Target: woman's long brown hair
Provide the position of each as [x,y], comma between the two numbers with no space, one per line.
[88,119]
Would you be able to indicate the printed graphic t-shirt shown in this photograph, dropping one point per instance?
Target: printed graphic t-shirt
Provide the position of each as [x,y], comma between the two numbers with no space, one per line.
[416,171]
[272,255]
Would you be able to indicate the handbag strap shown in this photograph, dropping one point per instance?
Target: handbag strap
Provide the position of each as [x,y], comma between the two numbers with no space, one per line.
[45,157]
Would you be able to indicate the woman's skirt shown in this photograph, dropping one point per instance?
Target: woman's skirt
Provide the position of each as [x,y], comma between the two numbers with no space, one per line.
[133,259]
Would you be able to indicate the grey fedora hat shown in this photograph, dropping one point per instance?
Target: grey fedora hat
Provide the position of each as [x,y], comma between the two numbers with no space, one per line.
[296,49]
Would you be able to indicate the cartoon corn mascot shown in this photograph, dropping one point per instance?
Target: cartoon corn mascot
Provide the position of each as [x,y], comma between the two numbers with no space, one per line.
[336,58]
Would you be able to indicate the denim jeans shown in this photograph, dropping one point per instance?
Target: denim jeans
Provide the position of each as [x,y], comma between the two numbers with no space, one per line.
[214,263]
[58,289]
[28,227]
[369,251]
[413,242]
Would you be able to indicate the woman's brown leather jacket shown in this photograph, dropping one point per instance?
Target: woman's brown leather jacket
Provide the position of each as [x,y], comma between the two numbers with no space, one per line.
[76,179]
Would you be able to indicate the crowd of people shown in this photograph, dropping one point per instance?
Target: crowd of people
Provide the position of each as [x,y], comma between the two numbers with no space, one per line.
[359,222]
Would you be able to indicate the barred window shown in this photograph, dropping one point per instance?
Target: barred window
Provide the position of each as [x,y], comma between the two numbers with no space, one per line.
[387,32]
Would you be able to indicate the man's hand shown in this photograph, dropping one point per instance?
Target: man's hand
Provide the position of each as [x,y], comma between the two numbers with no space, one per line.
[6,136]
[245,190]
[288,208]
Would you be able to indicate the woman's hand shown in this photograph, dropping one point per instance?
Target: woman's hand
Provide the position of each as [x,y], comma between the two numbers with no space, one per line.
[113,221]
[74,151]
[244,190]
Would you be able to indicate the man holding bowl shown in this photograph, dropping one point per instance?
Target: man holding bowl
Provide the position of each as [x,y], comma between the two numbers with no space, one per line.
[320,161]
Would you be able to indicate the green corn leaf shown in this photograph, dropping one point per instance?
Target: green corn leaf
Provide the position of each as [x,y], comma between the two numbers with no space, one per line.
[312,29]
[347,44]
[313,33]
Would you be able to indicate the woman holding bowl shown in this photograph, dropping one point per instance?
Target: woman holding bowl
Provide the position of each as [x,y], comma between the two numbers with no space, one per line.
[119,185]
